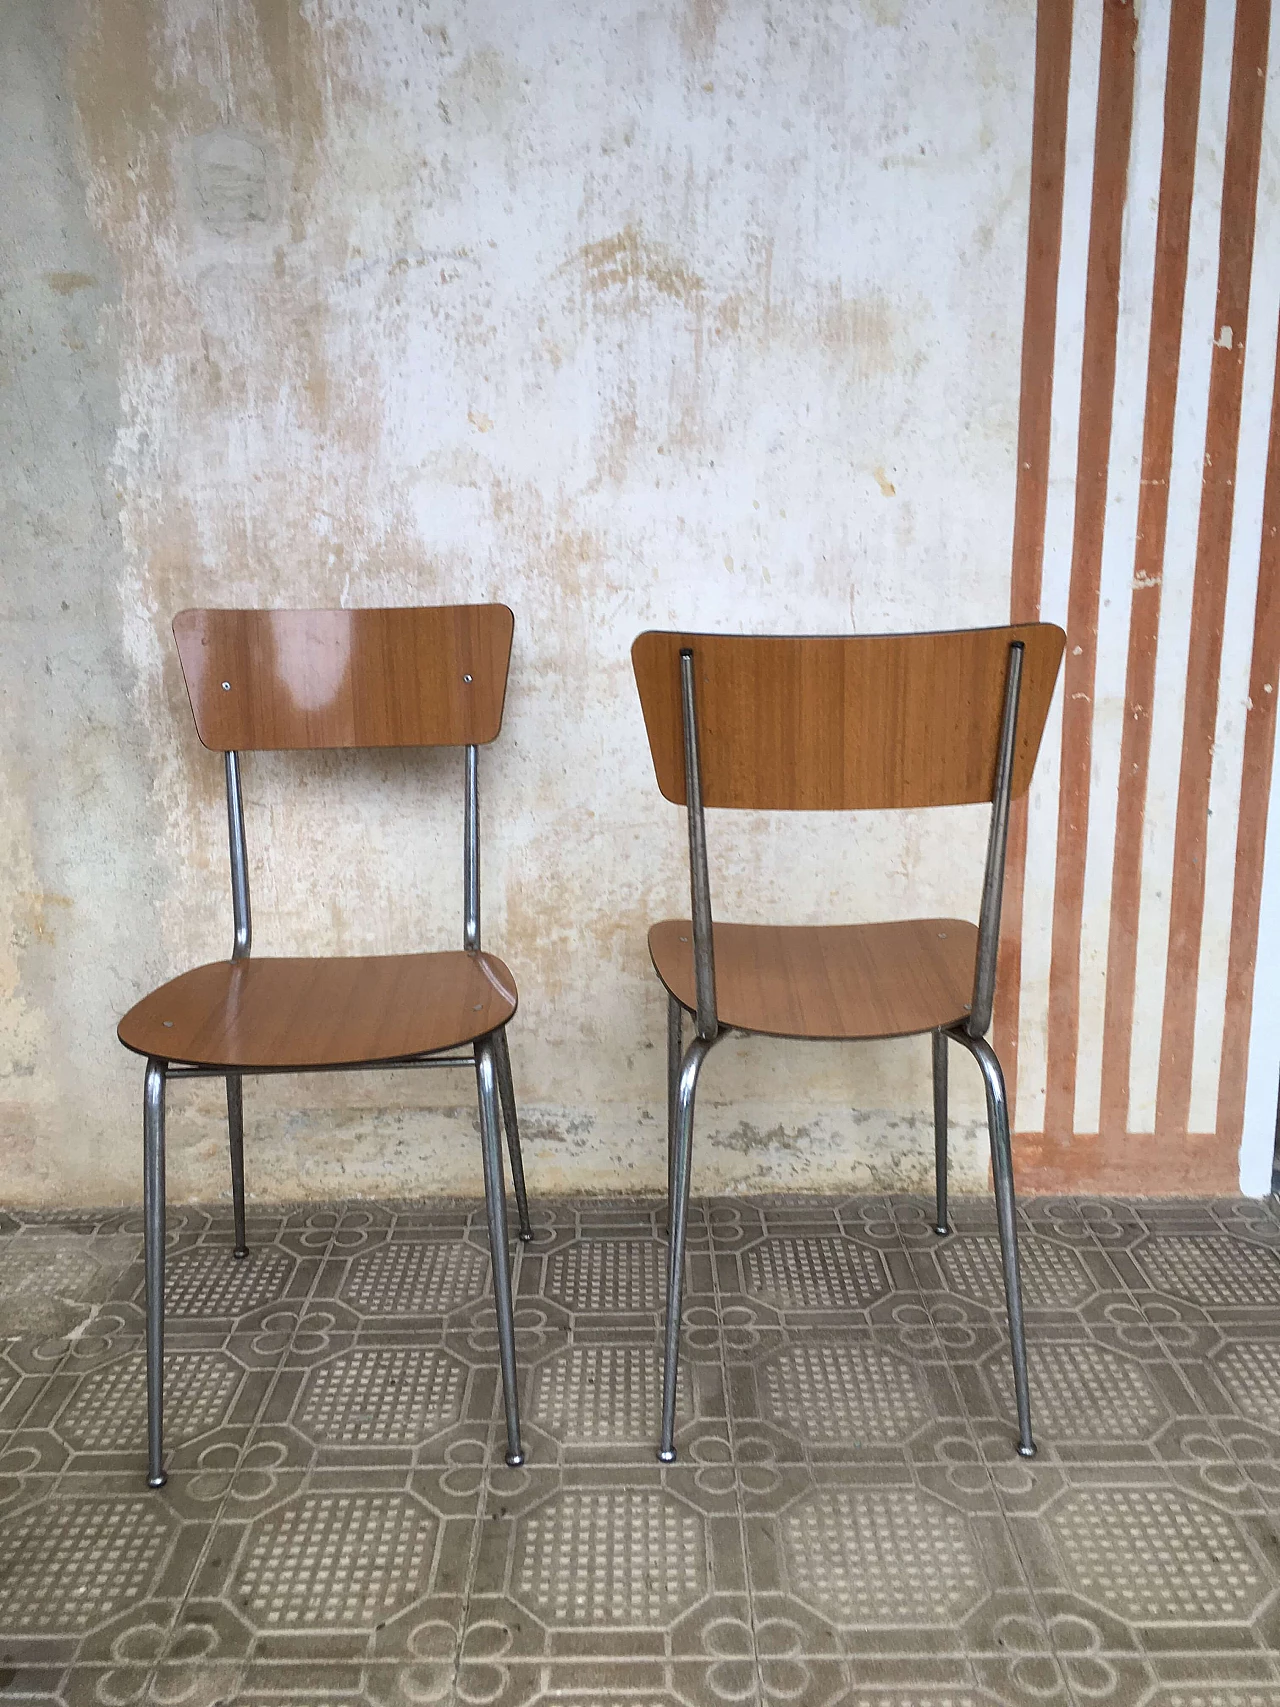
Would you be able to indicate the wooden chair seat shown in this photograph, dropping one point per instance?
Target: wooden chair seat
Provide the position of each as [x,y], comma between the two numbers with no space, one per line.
[828,981]
[264,1014]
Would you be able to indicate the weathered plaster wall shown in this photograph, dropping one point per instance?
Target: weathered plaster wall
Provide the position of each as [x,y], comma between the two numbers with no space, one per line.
[698,314]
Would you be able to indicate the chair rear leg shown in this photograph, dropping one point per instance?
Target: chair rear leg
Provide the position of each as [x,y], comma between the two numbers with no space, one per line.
[507,1095]
[153,1251]
[495,1198]
[678,1221]
[235,1136]
[1002,1170]
[941,1225]
[675,1048]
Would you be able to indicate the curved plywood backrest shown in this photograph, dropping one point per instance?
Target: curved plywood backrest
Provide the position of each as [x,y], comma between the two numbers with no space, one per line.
[428,677]
[817,723]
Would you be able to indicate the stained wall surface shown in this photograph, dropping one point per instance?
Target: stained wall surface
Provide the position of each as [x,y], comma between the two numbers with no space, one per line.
[705,314]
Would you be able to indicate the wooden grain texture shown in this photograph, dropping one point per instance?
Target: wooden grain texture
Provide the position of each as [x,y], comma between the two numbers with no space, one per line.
[828,981]
[826,723]
[274,679]
[321,1013]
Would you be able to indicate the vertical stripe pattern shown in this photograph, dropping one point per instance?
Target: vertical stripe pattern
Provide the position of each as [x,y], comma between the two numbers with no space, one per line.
[1148,520]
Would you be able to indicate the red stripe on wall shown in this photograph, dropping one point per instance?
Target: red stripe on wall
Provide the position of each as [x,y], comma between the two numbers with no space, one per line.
[1213,546]
[1097,384]
[1177,176]
[1255,790]
[1039,331]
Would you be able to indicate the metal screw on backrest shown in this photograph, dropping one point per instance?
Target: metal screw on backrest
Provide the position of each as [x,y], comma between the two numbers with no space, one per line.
[226,687]
[466,678]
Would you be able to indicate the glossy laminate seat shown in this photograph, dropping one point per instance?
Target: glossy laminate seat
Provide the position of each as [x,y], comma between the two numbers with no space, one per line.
[840,723]
[325,679]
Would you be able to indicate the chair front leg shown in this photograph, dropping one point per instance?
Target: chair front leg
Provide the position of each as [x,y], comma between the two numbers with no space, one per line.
[940,1226]
[507,1096]
[153,1255]
[678,1222]
[495,1198]
[235,1138]
[1006,1216]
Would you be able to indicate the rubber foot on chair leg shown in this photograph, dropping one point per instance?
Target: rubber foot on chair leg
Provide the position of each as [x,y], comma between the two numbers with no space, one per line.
[666,1455]
[514,1460]
[1028,1451]
[157,1481]
[526,1235]
[240,1251]
[942,1231]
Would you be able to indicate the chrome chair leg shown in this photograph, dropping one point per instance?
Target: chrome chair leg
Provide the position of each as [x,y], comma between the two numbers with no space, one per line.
[678,1219]
[1002,1170]
[495,1198]
[153,1251]
[940,1226]
[507,1095]
[675,1048]
[235,1137]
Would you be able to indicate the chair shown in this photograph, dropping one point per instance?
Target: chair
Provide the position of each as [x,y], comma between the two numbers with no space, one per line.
[260,680]
[821,724]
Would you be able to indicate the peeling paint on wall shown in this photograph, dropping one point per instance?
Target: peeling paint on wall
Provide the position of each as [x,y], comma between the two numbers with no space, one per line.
[627,317]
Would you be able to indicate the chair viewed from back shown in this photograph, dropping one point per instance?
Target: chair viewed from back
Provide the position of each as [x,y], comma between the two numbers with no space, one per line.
[316,679]
[840,723]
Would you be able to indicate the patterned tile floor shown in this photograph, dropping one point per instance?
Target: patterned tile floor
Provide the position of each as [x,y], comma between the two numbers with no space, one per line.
[847,1522]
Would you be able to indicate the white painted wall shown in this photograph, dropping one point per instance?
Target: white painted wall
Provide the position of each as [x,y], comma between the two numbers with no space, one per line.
[704,315]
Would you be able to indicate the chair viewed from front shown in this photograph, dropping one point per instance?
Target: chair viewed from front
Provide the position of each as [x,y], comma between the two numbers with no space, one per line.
[321,679]
[813,723]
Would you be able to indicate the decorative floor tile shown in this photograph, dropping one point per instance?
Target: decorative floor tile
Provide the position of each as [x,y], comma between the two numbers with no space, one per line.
[631,1557]
[334,1561]
[102,1555]
[382,1396]
[334,1566]
[818,1273]
[1054,1277]
[412,1278]
[1249,1371]
[1211,1270]
[835,1394]
[93,1568]
[202,1283]
[1153,1555]
[599,1393]
[880,1556]
[847,1524]
[595,1276]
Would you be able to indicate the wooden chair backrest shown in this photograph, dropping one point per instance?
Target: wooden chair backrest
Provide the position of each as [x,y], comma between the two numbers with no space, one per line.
[818,723]
[418,677]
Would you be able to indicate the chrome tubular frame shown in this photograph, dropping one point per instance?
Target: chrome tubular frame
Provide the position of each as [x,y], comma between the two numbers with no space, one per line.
[678,1218]
[490,1058]
[153,1256]
[471,856]
[1007,1221]
[241,947]
[682,1075]
[675,1049]
[984,976]
[510,1121]
[471,942]
[243,939]
[940,1225]
[495,1198]
[704,958]
[972,1034]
